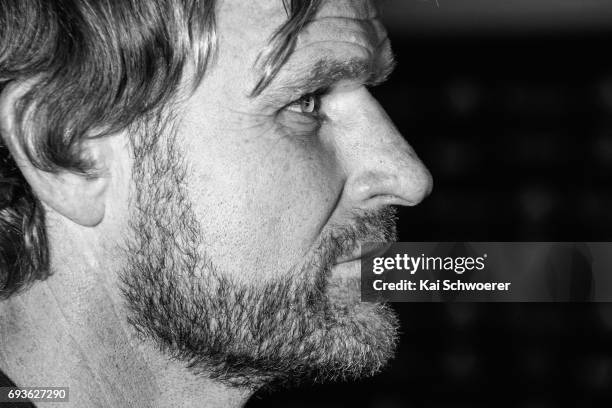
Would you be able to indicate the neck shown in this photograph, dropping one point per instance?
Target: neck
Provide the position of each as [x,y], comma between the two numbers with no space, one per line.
[71,331]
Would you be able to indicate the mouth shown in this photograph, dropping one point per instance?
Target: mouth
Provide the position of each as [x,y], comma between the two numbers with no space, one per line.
[365,251]
[348,267]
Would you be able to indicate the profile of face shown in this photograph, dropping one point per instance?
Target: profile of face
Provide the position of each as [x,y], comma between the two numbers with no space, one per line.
[236,235]
[246,256]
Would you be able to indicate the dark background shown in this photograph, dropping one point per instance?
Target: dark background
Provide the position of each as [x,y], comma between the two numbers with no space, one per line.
[509,103]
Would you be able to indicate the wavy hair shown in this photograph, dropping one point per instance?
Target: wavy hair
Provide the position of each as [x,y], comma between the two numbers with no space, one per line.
[96,66]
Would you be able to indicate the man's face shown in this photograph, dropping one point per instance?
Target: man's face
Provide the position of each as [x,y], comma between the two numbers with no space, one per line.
[248,213]
[266,176]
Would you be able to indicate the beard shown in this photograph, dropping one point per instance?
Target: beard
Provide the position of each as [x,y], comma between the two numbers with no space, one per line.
[308,324]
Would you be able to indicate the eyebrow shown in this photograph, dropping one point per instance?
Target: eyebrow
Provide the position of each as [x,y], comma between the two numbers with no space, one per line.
[327,72]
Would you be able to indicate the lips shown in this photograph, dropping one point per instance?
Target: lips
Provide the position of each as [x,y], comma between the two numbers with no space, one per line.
[366,250]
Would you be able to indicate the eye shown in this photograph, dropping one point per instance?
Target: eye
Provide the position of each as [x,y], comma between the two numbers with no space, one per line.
[309,104]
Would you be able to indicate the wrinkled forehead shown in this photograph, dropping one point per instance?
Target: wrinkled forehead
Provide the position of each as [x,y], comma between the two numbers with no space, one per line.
[356,9]
[256,21]
[352,22]
[339,29]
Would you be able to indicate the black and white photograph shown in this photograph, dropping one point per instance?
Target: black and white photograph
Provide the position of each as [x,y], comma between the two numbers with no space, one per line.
[305,203]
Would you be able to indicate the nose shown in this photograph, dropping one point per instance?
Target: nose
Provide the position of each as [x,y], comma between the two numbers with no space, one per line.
[381,167]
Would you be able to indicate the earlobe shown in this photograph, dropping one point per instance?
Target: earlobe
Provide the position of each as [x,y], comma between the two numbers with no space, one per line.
[77,197]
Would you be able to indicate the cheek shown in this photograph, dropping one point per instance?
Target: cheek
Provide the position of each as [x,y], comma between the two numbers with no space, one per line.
[262,202]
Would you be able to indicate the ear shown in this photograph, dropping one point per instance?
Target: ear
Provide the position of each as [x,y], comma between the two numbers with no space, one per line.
[77,197]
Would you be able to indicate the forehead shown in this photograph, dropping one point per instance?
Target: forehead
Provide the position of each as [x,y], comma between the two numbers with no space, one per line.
[357,9]
[342,29]
[263,13]
[246,27]
[345,21]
